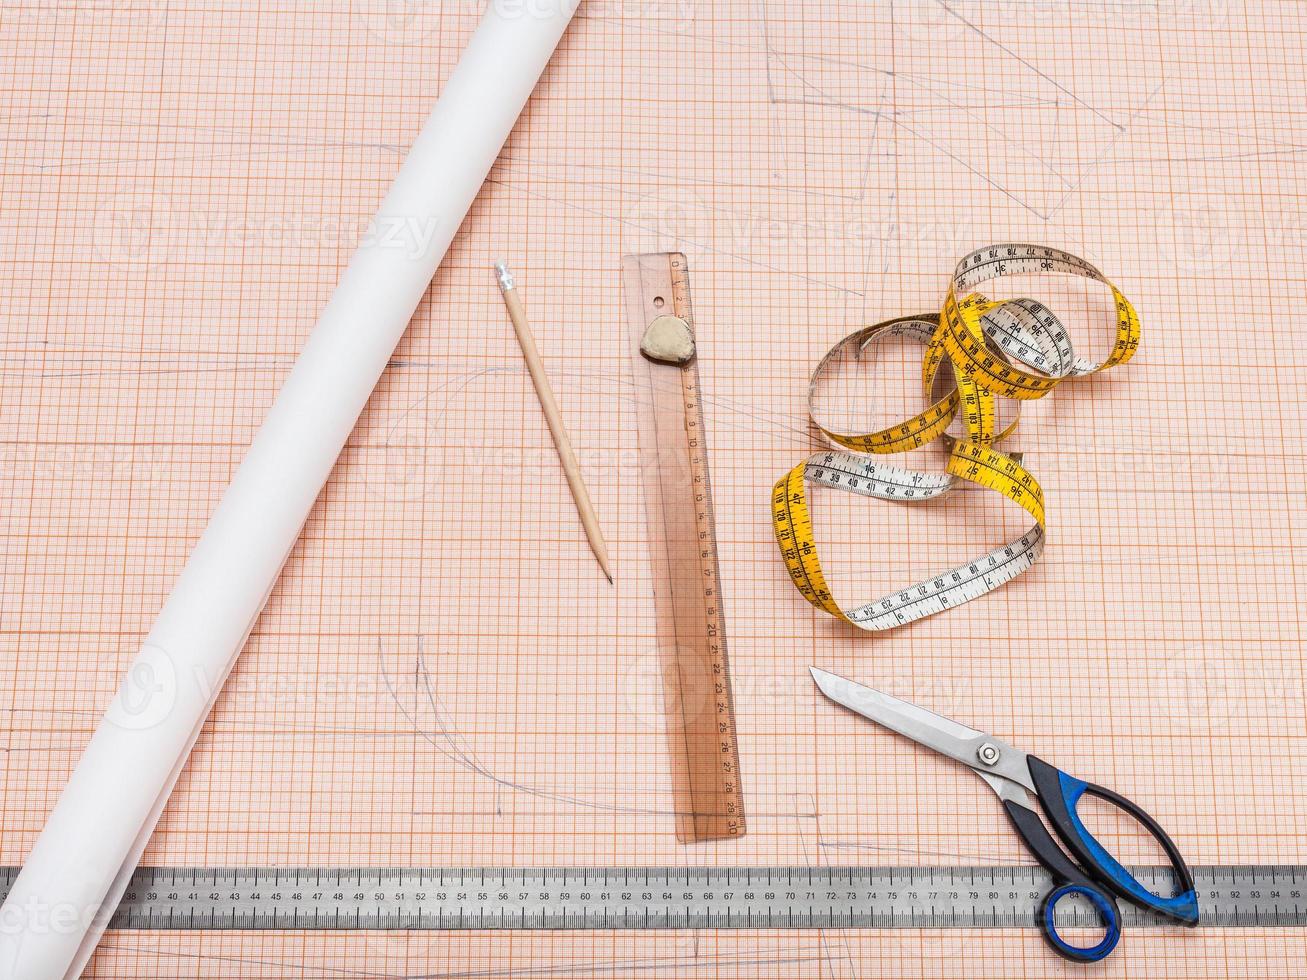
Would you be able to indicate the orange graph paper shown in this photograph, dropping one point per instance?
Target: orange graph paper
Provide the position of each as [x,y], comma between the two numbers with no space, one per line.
[442,675]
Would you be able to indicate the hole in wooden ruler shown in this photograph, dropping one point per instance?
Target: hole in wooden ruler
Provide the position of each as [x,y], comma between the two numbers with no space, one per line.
[691,629]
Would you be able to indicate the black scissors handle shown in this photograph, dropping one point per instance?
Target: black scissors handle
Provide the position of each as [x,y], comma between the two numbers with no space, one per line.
[1068,880]
[1099,876]
[1060,793]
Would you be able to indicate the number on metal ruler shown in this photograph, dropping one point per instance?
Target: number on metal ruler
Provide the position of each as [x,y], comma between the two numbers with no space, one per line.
[658,898]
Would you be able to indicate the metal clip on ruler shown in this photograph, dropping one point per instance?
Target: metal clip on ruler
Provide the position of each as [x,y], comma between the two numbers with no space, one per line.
[683,544]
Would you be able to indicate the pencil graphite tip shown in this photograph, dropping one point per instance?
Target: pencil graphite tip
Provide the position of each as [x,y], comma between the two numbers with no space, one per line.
[505,277]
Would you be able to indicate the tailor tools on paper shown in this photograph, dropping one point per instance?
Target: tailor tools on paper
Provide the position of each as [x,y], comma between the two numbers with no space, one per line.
[1014,775]
[1016,349]
[683,543]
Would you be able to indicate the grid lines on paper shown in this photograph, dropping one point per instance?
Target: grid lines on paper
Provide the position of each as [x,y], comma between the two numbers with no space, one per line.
[442,675]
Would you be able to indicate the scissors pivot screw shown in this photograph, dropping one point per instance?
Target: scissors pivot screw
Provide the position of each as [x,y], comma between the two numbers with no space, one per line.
[1084,867]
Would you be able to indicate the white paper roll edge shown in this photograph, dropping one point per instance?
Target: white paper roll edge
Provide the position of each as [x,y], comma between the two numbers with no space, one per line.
[80,864]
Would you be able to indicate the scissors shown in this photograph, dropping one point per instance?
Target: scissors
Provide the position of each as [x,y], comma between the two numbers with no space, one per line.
[1014,775]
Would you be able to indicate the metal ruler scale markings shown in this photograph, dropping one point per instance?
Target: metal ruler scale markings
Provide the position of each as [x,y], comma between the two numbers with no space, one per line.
[1000,897]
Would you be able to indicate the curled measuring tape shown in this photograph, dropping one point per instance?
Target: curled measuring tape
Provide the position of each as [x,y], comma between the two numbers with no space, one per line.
[1016,348]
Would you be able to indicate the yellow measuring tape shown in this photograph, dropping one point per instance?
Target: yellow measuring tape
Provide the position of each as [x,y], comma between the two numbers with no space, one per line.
[1015,348]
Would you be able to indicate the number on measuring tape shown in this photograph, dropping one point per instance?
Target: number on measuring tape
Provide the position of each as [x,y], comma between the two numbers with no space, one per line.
[1015,348]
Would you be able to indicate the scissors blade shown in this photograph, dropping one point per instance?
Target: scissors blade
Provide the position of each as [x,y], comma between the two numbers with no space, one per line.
[944,735]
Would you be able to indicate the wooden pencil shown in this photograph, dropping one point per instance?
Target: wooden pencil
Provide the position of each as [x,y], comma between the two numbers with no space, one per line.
[552,415]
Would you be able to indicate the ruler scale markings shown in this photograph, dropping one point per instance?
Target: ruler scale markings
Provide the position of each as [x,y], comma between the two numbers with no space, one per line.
[672,898]
[687,578]
[970,334]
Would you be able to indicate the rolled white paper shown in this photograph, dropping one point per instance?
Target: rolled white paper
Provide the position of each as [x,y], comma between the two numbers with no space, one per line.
[76,872]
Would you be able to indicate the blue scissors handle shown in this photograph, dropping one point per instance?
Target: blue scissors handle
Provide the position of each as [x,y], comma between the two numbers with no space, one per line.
[1070,880]
[1108,913]
[1059,794]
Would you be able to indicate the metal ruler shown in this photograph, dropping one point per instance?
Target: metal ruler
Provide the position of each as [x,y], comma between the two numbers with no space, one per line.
[683,553]
[662,898]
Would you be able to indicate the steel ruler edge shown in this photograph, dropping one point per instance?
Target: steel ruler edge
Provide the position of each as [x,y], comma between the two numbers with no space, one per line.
[461,898]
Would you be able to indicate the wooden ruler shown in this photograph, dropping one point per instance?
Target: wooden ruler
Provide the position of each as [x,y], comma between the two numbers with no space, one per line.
[683,541]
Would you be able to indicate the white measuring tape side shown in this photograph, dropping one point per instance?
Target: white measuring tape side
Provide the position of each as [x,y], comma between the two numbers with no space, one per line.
[1017,349]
